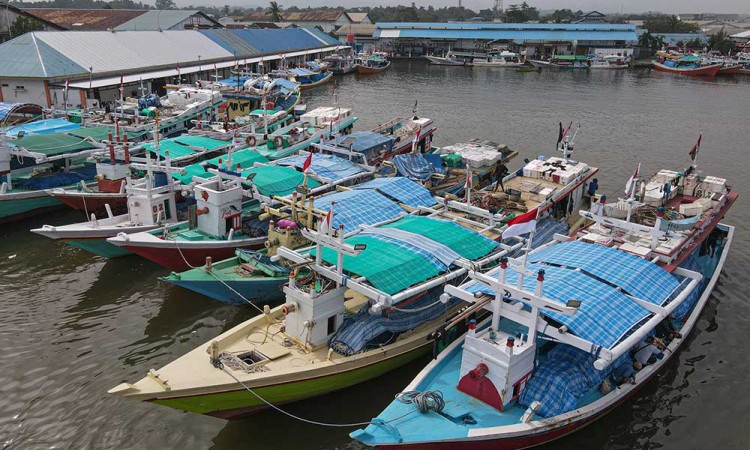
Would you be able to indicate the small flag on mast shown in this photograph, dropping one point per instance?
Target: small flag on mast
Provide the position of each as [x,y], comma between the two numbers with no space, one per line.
[417,137]
[694,151]
[307,163]
[629,184]
[563,133]
[414,110]
[525,223]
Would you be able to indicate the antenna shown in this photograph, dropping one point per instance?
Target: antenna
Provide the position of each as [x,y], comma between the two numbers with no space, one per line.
[498,7]
[460,4]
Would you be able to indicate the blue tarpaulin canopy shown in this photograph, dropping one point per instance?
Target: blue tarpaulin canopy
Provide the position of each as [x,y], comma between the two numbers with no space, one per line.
[358,207]
[401,190]
[601,278]
[415,166]
[6,109]
[368,143]
[330,167]
[42,127]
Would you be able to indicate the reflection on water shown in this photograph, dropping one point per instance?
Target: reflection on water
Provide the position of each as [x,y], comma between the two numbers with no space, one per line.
[73,325]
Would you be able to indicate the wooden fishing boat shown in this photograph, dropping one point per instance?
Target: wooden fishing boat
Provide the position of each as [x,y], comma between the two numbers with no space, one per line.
[372,64]
[149,206]
[687,65]
[298,357]
[728,69]
[340,64]
[409,134]
[448,60]
[502,59]
[599,299]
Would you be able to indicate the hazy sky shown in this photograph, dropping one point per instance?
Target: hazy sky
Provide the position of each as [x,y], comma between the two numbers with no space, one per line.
[670,6]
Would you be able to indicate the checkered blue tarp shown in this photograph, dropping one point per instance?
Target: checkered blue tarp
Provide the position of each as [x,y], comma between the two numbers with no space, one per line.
[414,166]
[355,208]
[606,314]
[440,265]
[329,167]
[634,275]
[402,190]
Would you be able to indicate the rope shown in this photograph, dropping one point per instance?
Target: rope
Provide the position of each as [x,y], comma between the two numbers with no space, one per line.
[424,401]
[210,272]
[219,365]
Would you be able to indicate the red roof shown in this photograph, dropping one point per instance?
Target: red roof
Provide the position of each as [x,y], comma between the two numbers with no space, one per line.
[323,15]
[85,19]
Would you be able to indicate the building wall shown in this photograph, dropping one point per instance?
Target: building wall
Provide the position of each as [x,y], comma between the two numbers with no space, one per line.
[24,91]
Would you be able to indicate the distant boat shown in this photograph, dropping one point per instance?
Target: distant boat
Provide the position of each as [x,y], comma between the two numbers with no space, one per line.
[450,59]
[687,65]
[501,59]
[374,64]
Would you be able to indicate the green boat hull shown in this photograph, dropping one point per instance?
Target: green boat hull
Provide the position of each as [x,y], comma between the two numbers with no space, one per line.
[17,209]
[99,247]
[241,402]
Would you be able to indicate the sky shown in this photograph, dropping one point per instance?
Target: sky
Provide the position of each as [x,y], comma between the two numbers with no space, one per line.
[667,6]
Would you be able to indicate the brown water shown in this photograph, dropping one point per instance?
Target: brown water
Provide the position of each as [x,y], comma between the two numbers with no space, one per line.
[73,325]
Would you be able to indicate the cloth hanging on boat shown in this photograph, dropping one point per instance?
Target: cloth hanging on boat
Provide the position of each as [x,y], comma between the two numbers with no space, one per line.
[363,331]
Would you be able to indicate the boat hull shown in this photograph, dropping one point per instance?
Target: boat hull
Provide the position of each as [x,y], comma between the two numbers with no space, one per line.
[365,70]
[174,256]
[438,61]
[257,290]
[732,70]
[107,192]
[17,209]
[707,71]
[99,247]
[321,82]
[238,403]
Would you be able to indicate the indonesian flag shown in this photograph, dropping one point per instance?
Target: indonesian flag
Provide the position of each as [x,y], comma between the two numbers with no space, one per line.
[694,151]
[468,178]
[308,163]
[631,181]
[236,142]
[525,223]
[563,133]
[325,225]
[417,137]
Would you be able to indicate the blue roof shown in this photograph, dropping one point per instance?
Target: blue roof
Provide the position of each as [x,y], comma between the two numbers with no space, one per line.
[519,33]
[365,141]
[600,277]
[402,190]
[27,56]
[330,167]
[252,42]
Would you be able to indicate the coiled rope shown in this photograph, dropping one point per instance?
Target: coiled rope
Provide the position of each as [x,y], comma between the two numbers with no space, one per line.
[425,401]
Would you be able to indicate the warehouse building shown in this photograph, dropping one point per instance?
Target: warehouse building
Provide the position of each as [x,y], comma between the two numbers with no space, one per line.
[124,19]
[538,40]
[35,67]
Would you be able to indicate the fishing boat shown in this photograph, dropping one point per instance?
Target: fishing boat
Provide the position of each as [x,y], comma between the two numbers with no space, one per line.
[218,224]
[340,64]
[365,308]
[501,59]
[177,110]
[409,134]
[32,164]
[444,170]
[689,65]
[613,62]
[564,344]
[304,77]
[729,69]
[450,59]
[568,62]
[255,277]
[151,204]
[375,63]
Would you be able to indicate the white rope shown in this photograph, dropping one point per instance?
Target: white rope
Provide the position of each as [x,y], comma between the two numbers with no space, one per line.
[210,272]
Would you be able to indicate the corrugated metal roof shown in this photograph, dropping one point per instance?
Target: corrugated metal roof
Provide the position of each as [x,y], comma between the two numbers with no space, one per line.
[525,32]
[305,16]
[85,19]
[507,26]
[130,50]
[357,16]
[161,20]
[59,54]
[359,29]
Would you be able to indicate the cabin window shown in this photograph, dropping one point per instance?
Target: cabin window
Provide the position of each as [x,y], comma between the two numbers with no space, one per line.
[331,325]
[167,210]
[516,390]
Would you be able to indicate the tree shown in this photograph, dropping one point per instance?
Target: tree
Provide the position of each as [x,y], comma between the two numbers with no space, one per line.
[165,4]
[23,25]
[514,14]
[663,23]
[650,42]
[276,12]
[561,16]
[720,41]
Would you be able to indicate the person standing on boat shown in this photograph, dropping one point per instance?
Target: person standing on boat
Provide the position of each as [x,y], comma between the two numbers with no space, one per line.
[593,187]
[500,171]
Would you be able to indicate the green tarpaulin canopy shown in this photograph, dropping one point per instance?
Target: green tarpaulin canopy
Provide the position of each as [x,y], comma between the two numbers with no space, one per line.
[275,180]
[53,144]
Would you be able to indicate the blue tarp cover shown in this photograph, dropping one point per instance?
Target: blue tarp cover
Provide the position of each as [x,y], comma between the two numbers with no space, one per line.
[414,166]
[606,314]
[329,167]
[358,207]
[45,126]
[402,190]
[368,143]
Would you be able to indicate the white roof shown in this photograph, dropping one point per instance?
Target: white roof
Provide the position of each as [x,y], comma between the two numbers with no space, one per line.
[744,34]
[128,50]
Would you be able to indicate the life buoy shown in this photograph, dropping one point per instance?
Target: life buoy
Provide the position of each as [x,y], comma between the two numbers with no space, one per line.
[278,141]
[270,105]
[250,141]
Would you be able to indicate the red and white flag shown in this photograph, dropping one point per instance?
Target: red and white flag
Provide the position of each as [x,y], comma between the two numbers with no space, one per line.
[525,223]
[67,84]
[417,137]
[308,162]
[631,181]
[694,151]
[325,225]
[468,177]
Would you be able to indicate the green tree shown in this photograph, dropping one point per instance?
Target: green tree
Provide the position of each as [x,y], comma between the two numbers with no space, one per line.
[650,43]
[561,16]
[514,14]
[23,25]
[721,42]
[663,23]
[276,12]
[165,4]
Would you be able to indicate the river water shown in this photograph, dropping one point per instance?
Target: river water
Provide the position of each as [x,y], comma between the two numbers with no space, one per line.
[73,325]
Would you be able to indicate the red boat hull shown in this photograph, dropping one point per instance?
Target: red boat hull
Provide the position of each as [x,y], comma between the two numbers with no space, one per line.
[172,258]
[93,203]
[707,71]
[734,70]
